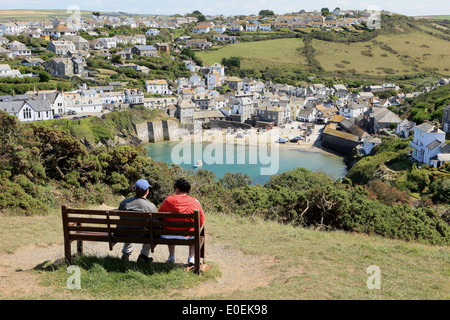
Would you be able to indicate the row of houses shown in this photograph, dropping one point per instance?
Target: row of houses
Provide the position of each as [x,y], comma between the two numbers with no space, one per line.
[255,24]
[60,27]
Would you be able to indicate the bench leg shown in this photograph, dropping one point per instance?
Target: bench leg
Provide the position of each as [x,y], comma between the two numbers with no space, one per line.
[79,247]
[202,252]
[197,254]
[68,252]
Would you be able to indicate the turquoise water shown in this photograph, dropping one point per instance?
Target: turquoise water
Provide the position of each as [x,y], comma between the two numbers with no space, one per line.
[259,165]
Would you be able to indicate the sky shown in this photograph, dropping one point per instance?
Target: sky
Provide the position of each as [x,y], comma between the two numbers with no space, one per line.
[233,7]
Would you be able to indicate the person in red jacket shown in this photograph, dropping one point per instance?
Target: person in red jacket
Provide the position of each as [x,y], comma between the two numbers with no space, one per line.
[181,202]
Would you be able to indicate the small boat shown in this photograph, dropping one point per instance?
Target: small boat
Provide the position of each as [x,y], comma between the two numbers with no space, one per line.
[199,163]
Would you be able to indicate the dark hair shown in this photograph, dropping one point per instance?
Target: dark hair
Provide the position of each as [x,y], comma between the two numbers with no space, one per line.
[182,185]
[140,192]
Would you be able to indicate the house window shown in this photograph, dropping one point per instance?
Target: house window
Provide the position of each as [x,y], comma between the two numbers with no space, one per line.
[27,113]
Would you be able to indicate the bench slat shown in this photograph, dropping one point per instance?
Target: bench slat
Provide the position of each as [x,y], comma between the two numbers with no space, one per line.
[105,229]
[103,237]
[162,215]
[122,222]
[111,212]
[175,224]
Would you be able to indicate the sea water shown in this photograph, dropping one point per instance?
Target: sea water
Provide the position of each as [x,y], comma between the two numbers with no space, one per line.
[242,159]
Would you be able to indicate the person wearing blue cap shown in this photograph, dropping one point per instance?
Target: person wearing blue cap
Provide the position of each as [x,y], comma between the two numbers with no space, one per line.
[138,203]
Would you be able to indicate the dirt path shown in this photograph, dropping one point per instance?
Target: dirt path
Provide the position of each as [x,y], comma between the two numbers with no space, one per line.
[240,272]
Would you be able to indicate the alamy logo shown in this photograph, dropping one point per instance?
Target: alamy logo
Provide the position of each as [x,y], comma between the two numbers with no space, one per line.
[74,281]
[262,150]
[374,20]
[374,280]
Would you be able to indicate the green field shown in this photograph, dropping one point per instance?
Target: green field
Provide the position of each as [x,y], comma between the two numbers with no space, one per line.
[442,17]
[282,53]
[411,53]
[31,15]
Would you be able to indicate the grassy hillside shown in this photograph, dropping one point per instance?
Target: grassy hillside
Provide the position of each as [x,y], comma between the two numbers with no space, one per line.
[31,15]
[396,54]
[305,264]
[404,47]
[282,53]
[96,129]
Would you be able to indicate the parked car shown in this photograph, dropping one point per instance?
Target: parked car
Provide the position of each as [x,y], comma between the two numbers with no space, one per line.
[71,112]
[282,140]
[56,116]
[296,139]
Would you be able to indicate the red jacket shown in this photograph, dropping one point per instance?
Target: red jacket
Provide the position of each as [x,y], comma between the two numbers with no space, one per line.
[181,204]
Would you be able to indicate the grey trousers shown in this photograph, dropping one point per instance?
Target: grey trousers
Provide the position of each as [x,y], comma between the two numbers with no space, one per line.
[128,249]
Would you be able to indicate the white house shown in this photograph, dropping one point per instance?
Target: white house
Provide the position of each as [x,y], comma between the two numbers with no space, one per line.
[27,111]
[158,87]
[108,43]
[83,103]
[134,96]
[55,98]
[404,127]
[265,27]
[251,27]
[6,71]
[369,143]
[428,142]
[10,28]
[195,80]
[152,32]
[6,53]
[219,68]
[200,29]
[219,29]
[307,115]
[212,79]
[224,38]
[236,27]
[353,109]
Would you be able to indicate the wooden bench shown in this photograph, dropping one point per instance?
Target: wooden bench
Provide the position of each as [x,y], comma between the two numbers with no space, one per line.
[113,226]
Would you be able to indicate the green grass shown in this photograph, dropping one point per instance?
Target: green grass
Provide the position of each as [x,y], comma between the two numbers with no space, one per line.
[332,265]
[111,278]
[442,17]
[415,52]
[309,264]
[258,55]
[401,165]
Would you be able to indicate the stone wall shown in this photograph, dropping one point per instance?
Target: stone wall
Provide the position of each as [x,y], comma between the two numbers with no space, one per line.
[339,144]
[170,128]
[142,131]
[224,124]
[155,131]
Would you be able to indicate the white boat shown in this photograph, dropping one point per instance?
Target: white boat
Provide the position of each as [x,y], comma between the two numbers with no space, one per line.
[199,163]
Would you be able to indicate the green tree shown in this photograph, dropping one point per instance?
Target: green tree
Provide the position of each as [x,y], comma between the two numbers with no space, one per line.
[44,76]
[266,13]
[325,11]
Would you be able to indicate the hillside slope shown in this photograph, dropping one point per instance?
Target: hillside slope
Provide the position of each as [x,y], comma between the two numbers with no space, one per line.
[289,262]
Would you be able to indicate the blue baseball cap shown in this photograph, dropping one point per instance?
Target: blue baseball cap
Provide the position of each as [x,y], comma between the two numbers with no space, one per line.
[142,184]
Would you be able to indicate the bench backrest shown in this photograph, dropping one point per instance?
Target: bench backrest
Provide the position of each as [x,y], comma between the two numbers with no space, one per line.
[126,226]
[101,225]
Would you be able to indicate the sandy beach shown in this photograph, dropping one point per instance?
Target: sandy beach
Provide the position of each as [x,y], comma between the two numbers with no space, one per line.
[251,137]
